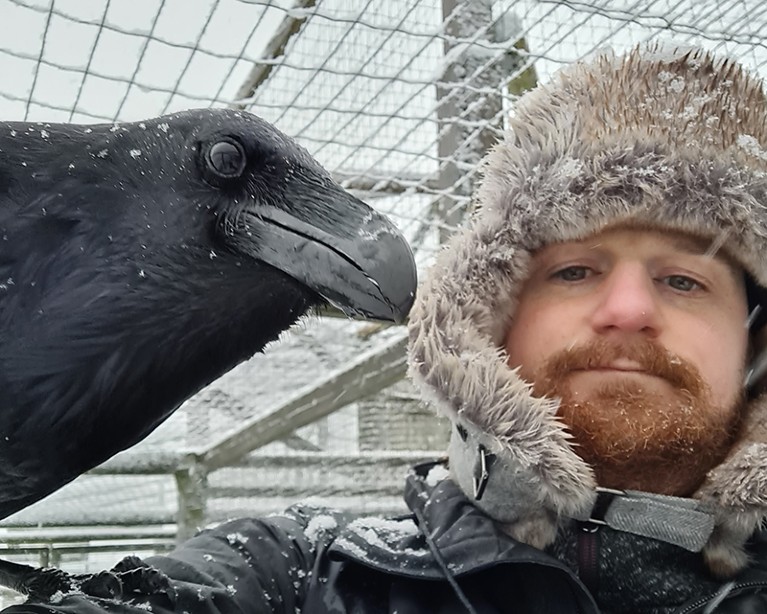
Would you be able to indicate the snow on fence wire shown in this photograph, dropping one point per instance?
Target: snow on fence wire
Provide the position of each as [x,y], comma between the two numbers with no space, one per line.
[399,99]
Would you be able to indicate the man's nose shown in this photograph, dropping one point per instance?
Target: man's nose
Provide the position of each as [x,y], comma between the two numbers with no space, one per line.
[627,302]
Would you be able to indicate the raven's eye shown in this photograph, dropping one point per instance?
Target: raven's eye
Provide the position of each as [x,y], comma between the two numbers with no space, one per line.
[226,159]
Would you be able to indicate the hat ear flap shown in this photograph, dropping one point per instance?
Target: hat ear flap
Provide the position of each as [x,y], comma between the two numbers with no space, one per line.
[736,493]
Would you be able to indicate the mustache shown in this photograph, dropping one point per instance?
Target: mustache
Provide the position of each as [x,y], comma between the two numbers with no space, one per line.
[601,353]
[630,433]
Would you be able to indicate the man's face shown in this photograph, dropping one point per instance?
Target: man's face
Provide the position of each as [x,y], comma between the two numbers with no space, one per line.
[643,336]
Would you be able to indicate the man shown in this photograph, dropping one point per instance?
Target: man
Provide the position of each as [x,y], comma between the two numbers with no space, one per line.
[618,243]
[588,336]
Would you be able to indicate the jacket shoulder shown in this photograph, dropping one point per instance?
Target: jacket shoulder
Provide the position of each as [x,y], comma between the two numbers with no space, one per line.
[258,565]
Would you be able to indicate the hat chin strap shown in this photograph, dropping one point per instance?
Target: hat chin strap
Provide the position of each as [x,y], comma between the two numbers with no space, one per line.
[675,520]
[499,484]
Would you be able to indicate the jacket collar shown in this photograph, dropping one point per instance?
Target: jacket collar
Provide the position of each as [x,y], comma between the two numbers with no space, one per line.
[467,539]
[470,541]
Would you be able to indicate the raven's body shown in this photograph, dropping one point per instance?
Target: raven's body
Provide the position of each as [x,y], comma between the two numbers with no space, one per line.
[131,276]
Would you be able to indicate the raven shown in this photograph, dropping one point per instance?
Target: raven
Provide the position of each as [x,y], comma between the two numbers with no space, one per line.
[141,261]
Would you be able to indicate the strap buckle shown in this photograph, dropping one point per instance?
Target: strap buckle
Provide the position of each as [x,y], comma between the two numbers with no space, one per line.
[605,497]
[481,471]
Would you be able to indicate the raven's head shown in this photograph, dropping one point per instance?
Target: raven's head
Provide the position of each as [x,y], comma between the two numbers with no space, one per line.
[277,205]
[138,262]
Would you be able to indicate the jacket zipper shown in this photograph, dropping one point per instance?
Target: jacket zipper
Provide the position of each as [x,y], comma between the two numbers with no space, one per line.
[588,556]
[705,600]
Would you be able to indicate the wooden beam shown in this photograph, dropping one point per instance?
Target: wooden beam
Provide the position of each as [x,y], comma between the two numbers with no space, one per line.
[387,185]
[192,496]
[368,374]
[274,49]
[141,463]
[374,460]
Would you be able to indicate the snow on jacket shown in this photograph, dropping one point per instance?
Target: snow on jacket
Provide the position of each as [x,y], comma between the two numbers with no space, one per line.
[317,561]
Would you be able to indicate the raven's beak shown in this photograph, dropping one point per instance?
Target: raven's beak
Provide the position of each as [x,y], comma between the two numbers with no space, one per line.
[332,242]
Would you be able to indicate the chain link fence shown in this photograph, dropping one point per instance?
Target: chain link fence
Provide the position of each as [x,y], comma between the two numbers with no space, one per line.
[399,99]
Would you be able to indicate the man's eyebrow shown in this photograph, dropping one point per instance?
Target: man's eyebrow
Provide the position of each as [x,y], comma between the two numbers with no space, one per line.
[711,248]
[697,246]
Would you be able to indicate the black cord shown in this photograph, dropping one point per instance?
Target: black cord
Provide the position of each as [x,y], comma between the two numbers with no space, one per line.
[442,564]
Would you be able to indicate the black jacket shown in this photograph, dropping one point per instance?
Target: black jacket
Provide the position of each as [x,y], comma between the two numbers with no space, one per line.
[447,557]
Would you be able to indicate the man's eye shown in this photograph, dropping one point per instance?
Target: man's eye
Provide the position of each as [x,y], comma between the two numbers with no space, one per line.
[572,273]
[682,283]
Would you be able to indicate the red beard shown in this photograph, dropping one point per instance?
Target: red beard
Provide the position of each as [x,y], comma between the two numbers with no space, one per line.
[642,438]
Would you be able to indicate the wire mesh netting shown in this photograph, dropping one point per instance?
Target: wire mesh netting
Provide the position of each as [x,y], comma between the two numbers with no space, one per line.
[399,99]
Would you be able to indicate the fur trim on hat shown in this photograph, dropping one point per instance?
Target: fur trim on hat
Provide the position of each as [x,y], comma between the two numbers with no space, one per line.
[674,140]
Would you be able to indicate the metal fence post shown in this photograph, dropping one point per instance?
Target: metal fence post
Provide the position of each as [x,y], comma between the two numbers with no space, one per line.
[470,98]
[465,100]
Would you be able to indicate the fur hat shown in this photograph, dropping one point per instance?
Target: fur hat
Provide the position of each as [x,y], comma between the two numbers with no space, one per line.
[672,138]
